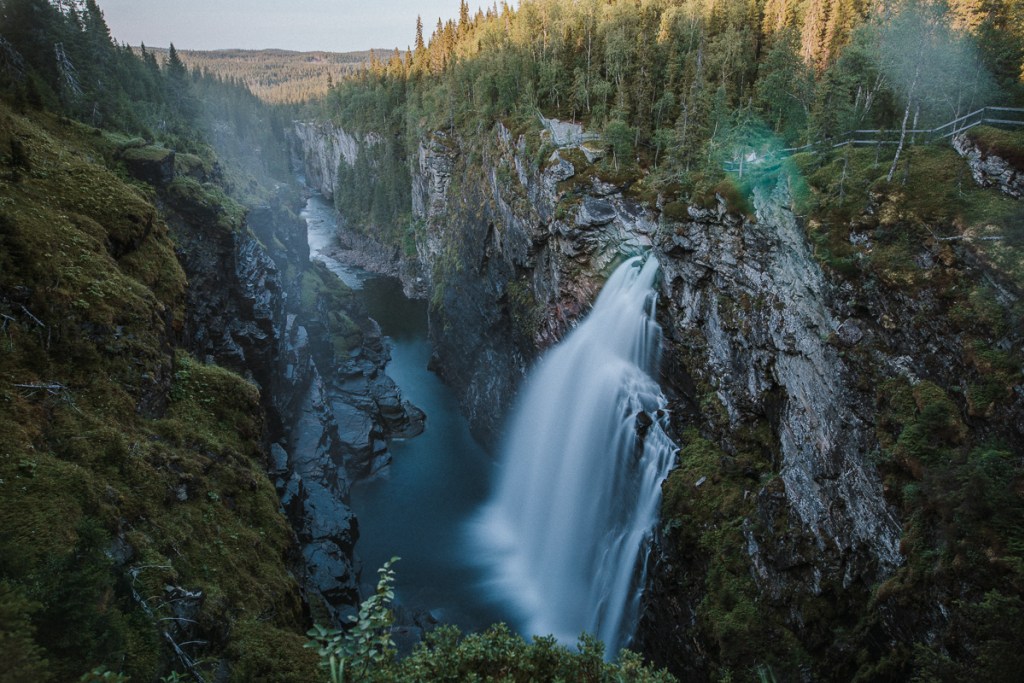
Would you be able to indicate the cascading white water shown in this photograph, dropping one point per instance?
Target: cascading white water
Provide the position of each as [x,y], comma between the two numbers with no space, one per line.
[566,531]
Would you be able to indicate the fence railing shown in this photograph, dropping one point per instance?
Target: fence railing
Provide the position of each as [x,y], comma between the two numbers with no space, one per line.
[1003,116]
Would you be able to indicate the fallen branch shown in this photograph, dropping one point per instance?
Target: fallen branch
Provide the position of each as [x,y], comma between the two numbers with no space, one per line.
[183,657]
[36,320]
[54,389]
[966,238]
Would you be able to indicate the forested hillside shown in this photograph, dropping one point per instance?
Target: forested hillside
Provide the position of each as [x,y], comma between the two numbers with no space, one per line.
[677,88]
[276,76]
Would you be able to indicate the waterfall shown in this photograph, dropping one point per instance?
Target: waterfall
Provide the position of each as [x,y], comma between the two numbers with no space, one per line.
[566,532]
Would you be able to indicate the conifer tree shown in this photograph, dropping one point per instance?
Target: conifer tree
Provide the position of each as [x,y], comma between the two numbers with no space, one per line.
[175,67]
[420,47]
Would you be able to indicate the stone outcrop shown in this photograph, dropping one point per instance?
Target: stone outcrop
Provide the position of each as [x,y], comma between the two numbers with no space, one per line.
[153,165]
[989,169]
[314,488]
[748,298]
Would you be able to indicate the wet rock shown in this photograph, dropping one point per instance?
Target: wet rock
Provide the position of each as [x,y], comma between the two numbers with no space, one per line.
[594,212]
[331,571]
[414,424]
[643,423]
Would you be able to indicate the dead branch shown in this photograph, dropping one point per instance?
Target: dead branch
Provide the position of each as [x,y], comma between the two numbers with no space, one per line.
[54,389]
[36,320]
[184,658]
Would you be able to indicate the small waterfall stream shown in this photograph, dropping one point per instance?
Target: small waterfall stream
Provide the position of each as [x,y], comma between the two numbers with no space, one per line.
[566,531]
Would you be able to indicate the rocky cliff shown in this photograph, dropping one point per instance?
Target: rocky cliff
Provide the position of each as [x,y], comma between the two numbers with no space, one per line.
[257,305]
[784,364]
[324,147]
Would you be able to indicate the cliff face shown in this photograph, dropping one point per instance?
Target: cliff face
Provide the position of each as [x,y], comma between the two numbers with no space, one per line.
[243,312]
[783,371]
[748,316]
[752,313]
[324,147]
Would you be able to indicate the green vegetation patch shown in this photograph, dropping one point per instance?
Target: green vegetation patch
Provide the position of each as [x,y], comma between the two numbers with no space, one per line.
[963,529]
[708,502]
[150,153]
[206,202]
[365,652]
[327,299]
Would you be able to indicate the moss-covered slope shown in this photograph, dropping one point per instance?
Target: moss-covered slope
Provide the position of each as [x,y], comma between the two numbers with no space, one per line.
[134,507]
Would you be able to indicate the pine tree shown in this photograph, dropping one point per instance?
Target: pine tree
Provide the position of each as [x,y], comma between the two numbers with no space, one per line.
[175,67]
[420,47]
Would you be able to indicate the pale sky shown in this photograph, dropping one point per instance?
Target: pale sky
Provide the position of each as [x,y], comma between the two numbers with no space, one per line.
[333,25]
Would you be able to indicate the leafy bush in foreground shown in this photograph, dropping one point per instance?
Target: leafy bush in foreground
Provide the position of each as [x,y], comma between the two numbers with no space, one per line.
[366,652]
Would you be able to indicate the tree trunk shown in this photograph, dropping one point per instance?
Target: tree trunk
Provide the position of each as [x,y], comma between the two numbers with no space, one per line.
[899,147]
[903,126]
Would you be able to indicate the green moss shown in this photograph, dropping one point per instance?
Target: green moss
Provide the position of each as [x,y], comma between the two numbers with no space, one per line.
[101,506]
[731,191]
[676,211]
[707,503]
[262,653]
[24,659]
[151,153]
[207,203]
[327,299]
[526,312]
[963,525]
[1006,144]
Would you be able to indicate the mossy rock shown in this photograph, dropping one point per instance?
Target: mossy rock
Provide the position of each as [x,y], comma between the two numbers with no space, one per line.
[151,164]
[676,211]
[206,203]
[1005,144]
[194,166]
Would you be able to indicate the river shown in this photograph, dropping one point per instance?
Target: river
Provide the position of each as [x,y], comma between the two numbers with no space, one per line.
[420,507]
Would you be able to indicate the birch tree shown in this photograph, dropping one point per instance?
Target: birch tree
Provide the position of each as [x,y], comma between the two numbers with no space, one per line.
[934,70]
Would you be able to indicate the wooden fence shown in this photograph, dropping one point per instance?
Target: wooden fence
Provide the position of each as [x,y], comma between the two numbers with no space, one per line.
[1001,116]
